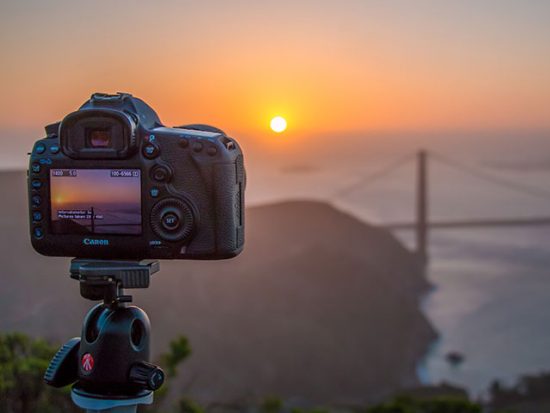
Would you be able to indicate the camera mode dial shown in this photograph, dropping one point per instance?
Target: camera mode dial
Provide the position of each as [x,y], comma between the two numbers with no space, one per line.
[172,219]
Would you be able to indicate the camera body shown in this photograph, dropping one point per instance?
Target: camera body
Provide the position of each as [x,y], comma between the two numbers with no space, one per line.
[110,181]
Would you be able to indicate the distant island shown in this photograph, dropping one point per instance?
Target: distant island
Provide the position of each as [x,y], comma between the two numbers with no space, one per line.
[320,306]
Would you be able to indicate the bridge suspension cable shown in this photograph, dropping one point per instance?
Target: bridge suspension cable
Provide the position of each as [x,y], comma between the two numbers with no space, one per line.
[382,172]
[497,180]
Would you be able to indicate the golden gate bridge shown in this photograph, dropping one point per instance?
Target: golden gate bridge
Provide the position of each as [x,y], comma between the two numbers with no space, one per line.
[422,224]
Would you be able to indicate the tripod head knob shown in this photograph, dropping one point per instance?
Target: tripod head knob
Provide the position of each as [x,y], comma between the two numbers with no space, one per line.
[63,369]
[146,375]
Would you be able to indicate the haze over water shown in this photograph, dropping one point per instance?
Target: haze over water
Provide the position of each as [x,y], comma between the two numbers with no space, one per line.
[361,84]
[492,285]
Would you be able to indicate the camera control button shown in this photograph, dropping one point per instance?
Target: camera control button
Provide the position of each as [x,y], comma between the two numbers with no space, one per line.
[184,143]
[161,173]
[151,150]
[36,200]
[38,232]
[37,216]
[197,146]
[36,184]
[154,192]
[54,149]
[212,151]
[40,148]
[35,167]
[170,221]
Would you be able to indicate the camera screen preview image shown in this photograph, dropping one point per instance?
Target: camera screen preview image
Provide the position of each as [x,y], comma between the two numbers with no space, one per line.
[95,201]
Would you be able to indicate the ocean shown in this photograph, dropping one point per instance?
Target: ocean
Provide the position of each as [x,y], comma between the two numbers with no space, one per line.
[491,285]
[490,303]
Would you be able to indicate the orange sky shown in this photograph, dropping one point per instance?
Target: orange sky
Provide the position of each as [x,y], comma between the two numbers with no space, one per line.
[327,66]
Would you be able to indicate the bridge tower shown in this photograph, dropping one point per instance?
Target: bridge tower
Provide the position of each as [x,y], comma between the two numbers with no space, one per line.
[422,206]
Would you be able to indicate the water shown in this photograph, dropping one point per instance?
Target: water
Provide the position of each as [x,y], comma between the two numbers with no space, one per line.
[492,286]
[491,304]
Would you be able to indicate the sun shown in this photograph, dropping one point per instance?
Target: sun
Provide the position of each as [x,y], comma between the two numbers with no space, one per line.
[278,124]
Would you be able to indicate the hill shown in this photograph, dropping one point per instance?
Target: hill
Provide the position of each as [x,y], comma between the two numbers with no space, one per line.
[319,306]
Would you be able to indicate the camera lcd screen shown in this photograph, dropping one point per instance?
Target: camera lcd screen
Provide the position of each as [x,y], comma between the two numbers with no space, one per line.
[95,201]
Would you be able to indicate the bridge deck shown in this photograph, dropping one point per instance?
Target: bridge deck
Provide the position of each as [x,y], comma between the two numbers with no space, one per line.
[481,223]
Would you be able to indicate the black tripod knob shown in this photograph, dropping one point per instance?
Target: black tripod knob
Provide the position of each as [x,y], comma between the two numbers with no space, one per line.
[63,369]
[147,375]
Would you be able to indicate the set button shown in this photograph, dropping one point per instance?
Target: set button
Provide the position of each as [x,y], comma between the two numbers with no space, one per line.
[170,221]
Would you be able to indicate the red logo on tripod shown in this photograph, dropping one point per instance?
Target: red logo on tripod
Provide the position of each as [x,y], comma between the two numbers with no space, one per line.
[87,362]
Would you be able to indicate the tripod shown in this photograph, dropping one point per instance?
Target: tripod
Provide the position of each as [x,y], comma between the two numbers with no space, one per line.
[109,364]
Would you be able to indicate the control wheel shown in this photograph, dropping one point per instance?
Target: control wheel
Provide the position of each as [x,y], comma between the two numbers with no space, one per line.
[172,219]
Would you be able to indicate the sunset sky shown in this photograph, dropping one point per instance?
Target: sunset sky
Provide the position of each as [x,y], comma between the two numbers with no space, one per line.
[326,66]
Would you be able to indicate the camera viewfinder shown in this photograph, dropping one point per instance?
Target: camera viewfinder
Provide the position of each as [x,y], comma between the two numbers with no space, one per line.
[97,138]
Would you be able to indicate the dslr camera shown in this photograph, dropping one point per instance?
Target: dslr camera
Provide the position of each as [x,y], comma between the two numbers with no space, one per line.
[111,181]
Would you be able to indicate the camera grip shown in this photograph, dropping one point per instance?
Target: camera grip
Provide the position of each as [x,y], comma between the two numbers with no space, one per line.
[229,184]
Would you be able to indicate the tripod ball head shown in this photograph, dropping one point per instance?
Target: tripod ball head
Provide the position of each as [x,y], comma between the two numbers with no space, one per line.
[111,357]
[114,351]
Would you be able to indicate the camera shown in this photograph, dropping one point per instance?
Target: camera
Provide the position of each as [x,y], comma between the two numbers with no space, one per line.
[111,181]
